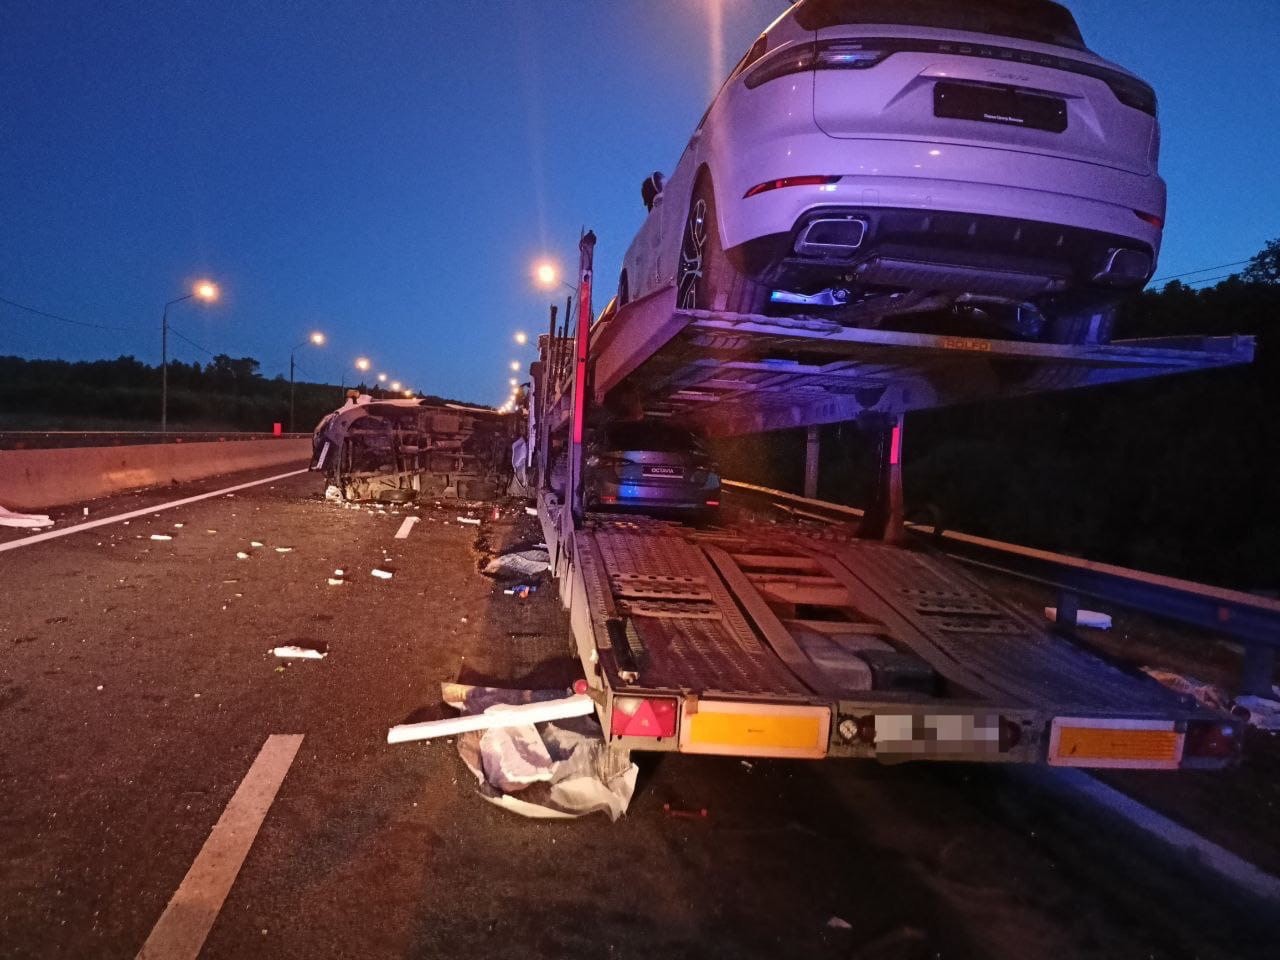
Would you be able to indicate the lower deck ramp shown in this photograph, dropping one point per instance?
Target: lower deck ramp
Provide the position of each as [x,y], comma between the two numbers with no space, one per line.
[690,632]
[1011,650]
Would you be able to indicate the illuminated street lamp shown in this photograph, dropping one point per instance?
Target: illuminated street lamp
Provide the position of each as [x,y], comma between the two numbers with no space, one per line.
[316,338]
[515,364]
[395,384]
[409,393]
[204,290]
[362,364]
[521,337]
[382,378]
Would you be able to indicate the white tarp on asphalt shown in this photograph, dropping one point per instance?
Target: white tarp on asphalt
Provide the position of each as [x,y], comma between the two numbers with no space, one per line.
[553,770]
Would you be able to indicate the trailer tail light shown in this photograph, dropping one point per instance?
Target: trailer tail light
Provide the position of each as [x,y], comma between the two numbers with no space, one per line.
[1211,740]
[644,717]
[805,181]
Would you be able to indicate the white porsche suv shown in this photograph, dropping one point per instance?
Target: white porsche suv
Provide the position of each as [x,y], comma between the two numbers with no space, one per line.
[916,165]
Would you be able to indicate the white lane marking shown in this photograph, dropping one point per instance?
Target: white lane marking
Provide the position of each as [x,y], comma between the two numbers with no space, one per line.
[403,532]
[103,521]
[180,932]
[1207,854]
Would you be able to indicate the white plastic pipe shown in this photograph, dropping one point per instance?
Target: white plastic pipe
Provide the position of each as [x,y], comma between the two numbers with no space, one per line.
[578,705]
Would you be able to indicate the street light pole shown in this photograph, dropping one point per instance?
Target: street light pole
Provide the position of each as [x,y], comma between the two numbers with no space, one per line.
[164,362]
[316,338]
[204,290]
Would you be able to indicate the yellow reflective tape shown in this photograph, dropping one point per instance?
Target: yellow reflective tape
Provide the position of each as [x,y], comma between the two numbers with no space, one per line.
[753,730]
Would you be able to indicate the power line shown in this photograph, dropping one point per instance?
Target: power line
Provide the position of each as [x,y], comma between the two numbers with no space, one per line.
[61,319]
[190,341]
[1221,266]
[1225,276]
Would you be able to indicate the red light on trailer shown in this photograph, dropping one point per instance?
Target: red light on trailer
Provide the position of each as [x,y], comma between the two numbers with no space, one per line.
[643,717]
[807,181]
[713,503]
[895,443]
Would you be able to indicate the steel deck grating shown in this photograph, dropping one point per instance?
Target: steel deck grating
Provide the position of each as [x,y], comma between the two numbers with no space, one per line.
[1007,648]
[693,652]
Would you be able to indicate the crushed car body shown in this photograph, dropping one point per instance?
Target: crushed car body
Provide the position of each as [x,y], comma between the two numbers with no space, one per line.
[397,451]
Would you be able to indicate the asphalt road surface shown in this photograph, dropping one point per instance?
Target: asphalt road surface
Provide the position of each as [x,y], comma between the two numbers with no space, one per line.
[137,689]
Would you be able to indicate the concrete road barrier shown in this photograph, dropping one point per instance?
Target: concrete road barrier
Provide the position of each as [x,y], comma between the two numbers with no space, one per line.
[35,479]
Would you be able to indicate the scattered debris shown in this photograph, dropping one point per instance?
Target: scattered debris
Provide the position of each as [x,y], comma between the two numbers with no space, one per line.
[1260,712]
[296,652]
[1204,693]
[241,555]
[531,511]
[211,530]
[86,511]
[336,581]
[382,574]
[1084,618]
[99,686]
[179,526]
[521,563]
[699,814]
[284,549]
[255,543]
[839,923]
[31,521]
[470,521]
[522,591]
[161,536]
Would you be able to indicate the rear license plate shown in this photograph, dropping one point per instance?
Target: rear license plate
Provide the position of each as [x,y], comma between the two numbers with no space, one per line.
[1135,744]
[1015,108]
[663,472]
[928,735]
[755,729]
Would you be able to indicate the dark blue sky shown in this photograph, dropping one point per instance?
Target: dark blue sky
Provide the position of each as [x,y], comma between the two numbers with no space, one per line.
[387,172]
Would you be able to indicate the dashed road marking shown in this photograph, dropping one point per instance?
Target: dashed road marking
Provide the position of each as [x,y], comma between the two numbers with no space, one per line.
[403,532]
[180,932]
[117,518]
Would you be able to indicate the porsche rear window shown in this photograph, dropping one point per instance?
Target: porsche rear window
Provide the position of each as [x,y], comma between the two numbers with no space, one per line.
[1037,20]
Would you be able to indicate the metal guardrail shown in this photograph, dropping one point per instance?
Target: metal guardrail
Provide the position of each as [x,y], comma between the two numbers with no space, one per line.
[1252,620]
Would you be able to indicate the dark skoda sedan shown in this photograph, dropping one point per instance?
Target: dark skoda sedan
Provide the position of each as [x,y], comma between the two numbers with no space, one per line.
[653,466]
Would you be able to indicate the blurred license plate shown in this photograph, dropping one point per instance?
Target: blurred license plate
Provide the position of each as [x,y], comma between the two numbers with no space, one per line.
[663,472]
[940,733]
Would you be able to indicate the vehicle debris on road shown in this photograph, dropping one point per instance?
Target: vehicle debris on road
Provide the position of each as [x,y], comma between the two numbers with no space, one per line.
[382,574]
[520,563]
[1084,618]
[295,651]
[558,769]
[30,521]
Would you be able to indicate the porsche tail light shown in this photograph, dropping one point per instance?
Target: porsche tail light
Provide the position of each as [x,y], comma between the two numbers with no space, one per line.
[838,54]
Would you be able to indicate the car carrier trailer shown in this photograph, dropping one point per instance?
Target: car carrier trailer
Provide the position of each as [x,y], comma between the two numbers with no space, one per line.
[773,640]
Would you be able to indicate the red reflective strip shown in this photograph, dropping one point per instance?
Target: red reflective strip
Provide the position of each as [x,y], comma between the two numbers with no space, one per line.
[895,444]
[713,503]
[806,181]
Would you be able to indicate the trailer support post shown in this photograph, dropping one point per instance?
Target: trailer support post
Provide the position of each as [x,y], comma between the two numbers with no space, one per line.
[1257,669]
[812,445]
[577,429]
[883,519]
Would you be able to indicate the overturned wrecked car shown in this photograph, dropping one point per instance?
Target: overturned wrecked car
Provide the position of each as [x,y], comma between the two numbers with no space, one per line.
[396,451]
